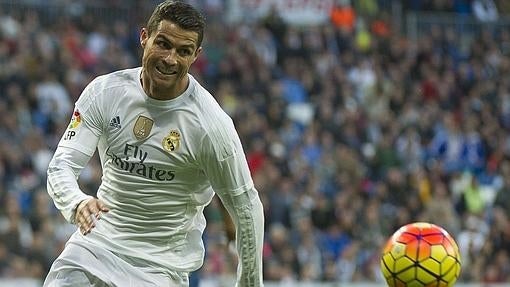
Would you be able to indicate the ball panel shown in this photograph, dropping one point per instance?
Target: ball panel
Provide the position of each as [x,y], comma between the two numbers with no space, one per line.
[399,283]
[451,247]
[458,267]
[420,225]
[420,255]
[390,281]
[425,276]
[407,275]
[412,249]
[406,237]
[438,252]
[398,250]
[430,229]
[387,264]
[431,265]
[433,238]
[451,276]
[402,264]
[389,245]
[447,264]
[414,283]
[424,250]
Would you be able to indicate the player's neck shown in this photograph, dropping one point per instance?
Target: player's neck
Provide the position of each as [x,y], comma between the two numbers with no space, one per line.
[163,94]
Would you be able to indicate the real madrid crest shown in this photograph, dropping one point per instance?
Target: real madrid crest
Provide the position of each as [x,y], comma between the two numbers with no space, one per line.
[142,127]
[172,141]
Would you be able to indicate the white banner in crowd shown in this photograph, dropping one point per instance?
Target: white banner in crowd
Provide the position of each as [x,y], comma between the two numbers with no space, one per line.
[296,12]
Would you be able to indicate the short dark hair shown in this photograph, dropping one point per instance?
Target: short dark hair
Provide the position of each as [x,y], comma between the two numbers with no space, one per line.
[182,14]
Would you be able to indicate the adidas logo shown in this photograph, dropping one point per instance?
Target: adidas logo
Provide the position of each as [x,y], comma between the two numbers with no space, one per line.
[115,122]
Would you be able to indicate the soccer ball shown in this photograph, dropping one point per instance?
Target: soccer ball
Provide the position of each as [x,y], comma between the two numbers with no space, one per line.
[420,254]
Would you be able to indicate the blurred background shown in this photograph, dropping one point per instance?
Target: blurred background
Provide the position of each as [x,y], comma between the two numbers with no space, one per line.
[357,117]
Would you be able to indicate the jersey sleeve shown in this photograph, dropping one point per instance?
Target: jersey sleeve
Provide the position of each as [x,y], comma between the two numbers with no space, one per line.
[62,183]
[73,152]
[225,165]
[86,123]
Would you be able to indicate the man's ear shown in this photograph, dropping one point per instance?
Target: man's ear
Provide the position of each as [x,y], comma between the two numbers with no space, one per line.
[197,53]
[144,36]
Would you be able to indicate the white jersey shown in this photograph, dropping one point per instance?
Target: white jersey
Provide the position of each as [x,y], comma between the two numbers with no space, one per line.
[161,162]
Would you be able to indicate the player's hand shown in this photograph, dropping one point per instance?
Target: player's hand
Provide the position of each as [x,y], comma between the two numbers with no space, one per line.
[88,213]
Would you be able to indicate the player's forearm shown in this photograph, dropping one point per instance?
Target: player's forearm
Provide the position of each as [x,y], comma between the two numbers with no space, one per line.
[249,221]
[62,182]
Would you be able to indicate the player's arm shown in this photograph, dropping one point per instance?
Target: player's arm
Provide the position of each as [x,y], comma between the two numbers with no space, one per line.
[62,185]
[74,150]
[226,167]
[230,228]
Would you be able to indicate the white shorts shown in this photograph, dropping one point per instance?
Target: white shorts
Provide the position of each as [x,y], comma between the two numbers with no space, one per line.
[82,264]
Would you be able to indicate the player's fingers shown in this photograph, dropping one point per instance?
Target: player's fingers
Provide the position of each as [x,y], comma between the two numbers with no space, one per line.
[93,220]
[94,211]
[80,208]
[86,219]
[102,206]
[82,225]
[86,212]
[98,209]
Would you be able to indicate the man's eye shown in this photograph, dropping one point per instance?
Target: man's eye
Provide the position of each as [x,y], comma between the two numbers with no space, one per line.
[163,44]
[185,52]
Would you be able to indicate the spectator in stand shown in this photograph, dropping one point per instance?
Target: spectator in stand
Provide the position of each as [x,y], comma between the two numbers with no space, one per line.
[485,10]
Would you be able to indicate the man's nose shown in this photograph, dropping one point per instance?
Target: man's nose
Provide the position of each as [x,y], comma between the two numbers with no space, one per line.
[171,57]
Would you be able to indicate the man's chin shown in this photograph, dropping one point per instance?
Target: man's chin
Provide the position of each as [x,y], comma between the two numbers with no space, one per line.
[164,79]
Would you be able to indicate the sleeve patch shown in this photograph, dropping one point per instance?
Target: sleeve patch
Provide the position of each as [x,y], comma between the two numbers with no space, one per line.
[75,120]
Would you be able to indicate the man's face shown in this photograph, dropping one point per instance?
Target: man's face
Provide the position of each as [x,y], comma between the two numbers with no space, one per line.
[167,56]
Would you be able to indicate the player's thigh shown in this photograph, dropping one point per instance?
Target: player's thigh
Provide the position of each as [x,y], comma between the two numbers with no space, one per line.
[142,273]
[72,268]
[72,278]
[84,264]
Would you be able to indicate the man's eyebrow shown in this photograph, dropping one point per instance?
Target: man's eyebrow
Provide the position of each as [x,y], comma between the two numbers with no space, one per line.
[190,46]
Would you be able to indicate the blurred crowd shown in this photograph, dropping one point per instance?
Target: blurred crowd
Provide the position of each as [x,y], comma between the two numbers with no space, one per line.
[351,130]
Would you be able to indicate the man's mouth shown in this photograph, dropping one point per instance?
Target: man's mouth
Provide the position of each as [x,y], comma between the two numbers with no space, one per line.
[165,72]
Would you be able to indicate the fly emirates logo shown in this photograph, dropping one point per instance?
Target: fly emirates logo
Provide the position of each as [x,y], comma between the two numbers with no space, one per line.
[133,161]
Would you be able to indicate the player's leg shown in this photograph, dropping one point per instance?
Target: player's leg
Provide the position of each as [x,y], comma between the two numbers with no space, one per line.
[143,273]
[71,269]
[84,264]
[70,277]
